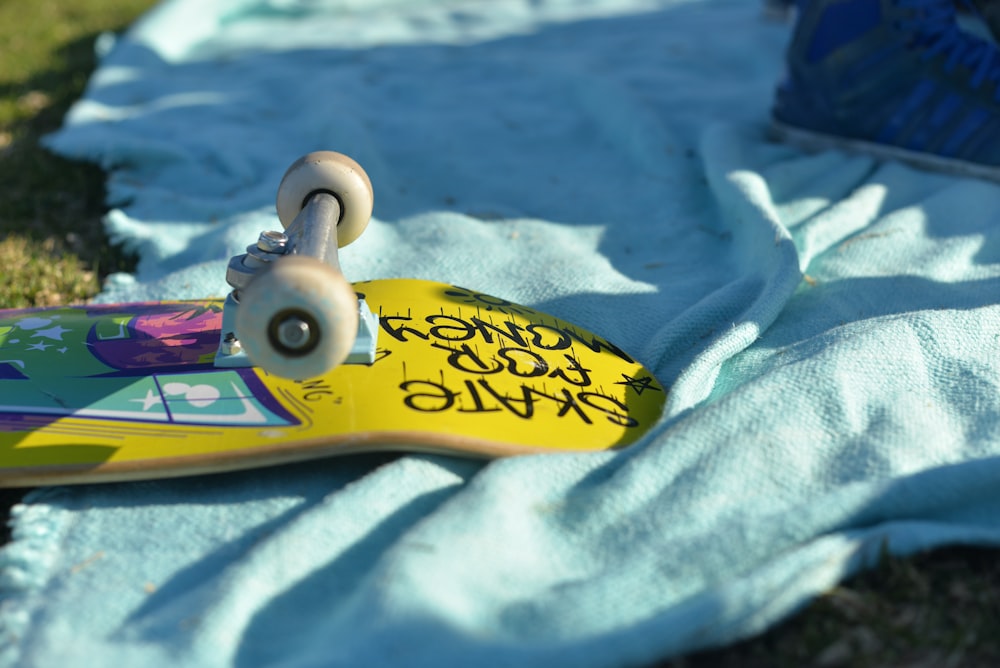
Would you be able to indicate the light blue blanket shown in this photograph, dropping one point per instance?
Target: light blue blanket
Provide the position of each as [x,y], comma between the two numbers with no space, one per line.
[827,323]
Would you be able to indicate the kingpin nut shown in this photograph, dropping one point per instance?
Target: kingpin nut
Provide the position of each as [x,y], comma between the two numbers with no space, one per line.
[272,241]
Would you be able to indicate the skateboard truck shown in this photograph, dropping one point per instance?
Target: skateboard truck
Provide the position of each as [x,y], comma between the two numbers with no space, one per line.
[291,311]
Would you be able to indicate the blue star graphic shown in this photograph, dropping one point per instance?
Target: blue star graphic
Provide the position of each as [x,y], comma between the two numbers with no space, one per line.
[53,333]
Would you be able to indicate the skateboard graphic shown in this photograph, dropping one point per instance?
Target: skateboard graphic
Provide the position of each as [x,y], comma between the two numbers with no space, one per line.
[297,363]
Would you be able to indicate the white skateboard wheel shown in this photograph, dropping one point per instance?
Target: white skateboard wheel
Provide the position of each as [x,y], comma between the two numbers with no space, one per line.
[298,319]
[335,173]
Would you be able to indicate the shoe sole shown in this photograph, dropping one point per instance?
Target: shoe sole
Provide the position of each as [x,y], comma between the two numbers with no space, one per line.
[816,141]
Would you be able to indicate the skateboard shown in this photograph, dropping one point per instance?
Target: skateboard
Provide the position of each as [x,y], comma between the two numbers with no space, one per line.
[297,363]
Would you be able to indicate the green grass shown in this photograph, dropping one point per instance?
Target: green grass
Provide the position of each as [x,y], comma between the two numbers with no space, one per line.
[941,609]
[52,246]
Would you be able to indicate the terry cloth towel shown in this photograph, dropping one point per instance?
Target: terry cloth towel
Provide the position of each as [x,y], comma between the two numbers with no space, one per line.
[827,324]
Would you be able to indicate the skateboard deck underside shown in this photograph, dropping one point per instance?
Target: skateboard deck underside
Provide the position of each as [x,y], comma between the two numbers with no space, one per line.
[118,392]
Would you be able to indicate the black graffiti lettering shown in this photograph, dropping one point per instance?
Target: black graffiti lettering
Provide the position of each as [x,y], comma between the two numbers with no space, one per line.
[522,408]
[524,363]
[597,344]
[526,357]
[434,399]
[399,333]
[547,337]
[464,358]
[428,396]
[479,406]
[317,395]
[315,390]
[615,411]
[453,328]
[458,330]
[566,402]
[311,384]
[487,330]
[583,375]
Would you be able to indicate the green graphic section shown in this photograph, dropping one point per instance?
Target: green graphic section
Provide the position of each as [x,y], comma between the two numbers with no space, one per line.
[214,397]
[220,398]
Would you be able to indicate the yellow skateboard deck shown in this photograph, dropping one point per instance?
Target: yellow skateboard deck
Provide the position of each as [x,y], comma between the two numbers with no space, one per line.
[129,391]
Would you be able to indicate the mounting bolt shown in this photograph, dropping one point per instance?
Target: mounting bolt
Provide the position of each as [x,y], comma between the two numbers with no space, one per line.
[231,345]
[272,241]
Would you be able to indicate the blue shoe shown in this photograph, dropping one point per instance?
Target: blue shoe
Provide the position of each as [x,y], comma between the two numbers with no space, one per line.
[989,12]
[780,11]
[893,78]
